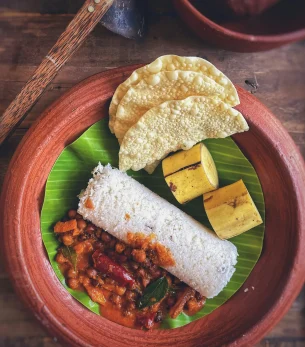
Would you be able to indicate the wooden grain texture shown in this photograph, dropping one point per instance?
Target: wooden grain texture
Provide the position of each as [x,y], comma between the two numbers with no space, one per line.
[25,39]
[67,44]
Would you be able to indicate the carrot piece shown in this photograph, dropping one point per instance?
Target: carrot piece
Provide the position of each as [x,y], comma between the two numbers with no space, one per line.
[89,204]
[63,227]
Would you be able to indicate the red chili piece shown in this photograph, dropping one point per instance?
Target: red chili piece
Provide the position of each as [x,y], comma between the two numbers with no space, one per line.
[121,258]
[115,271]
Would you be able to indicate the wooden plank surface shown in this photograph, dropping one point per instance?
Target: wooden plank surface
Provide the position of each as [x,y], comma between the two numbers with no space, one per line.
[27,35]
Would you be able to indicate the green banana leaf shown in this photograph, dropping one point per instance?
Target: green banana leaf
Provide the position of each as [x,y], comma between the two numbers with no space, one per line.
[72,171]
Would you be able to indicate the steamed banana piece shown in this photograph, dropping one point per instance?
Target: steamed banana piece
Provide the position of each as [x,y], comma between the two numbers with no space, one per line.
[231,210]
[190,173]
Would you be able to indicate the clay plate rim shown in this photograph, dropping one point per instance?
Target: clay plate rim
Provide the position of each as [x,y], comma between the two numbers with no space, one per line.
[281,38]
[15,204]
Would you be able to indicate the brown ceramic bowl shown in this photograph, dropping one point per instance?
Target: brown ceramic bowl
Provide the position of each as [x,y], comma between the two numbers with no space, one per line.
[279,25]
[244,319]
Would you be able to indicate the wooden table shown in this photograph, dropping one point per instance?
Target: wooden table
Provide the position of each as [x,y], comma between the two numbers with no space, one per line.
[276,77]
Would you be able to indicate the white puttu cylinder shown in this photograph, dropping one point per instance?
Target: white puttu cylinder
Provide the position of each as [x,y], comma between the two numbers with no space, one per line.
[202,260]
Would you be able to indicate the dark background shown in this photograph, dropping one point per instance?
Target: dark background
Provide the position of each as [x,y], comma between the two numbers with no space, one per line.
[28,29]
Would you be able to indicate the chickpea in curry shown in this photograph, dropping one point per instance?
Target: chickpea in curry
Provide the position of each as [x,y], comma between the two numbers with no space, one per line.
[115,275]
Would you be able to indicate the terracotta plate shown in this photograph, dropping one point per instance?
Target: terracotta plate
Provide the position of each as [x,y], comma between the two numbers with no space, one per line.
[282,24]
[244,319]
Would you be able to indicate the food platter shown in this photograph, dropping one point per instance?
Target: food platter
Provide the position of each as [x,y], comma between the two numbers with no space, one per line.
[279,167]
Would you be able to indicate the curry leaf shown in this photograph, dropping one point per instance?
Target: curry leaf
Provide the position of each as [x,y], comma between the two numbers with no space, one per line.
[155,292]
[70,254]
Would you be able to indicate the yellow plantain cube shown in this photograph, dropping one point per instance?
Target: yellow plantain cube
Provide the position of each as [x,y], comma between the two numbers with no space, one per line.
[190,173]
[231,210]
